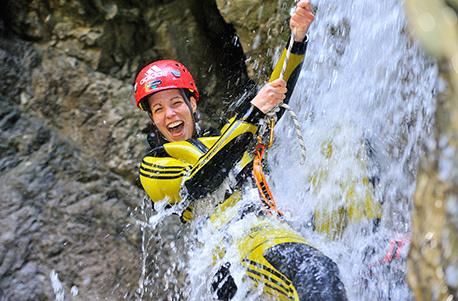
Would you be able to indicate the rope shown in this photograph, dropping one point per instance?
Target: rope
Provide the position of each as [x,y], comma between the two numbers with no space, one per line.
[298,131]
[297,125]
[263,188]
[288,54]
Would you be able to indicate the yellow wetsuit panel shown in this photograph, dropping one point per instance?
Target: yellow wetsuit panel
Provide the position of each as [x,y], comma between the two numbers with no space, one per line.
[209,141]
[264,234]
[357,200]
[294,61]
[183,151]
[161,177]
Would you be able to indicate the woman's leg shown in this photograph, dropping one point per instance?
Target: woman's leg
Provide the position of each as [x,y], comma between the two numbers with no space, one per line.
[314,275]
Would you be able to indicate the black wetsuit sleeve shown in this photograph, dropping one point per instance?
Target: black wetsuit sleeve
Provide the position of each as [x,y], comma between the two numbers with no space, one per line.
[293,68]
[213,167]
[291,76]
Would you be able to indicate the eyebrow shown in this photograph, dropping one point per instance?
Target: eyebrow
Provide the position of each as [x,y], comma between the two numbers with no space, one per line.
[159,104]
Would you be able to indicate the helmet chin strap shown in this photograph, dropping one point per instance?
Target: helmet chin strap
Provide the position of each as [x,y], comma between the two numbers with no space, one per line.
[195,115]
[155,138]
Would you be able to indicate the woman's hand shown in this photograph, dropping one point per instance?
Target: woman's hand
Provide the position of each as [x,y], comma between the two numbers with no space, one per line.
[270,95]
[301,20]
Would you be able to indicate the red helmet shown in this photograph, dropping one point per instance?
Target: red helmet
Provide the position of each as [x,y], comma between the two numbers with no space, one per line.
[163,75]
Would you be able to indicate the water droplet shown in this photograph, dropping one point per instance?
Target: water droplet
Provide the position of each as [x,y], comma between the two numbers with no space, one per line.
[455,62]
[450,15]
[438,204]
[57,287]
[426,22]
[74,291]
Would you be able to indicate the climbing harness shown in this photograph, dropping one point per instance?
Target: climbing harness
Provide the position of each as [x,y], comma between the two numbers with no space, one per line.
[264,191]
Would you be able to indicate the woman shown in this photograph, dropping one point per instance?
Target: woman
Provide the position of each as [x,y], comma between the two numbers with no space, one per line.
[184,168]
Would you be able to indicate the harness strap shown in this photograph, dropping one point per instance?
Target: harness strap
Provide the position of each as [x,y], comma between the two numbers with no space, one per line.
[264,191]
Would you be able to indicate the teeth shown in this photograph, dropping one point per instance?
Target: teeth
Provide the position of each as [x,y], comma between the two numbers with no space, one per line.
[174,124]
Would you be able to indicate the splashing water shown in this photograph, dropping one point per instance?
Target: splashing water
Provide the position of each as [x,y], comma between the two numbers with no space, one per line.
[163,259]
[365,99]
[57,286]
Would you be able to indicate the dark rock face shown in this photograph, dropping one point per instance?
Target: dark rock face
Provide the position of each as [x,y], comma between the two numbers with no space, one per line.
[71,137]
[262,27]
[61,209]
[88,63]
[117,38]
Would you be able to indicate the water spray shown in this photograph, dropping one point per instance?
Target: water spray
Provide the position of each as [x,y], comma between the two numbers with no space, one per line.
[294,117]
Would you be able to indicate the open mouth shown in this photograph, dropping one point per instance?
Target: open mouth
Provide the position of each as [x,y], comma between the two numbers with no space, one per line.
[176,127]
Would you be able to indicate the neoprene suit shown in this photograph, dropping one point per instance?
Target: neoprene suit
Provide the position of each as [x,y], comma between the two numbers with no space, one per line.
[272,252]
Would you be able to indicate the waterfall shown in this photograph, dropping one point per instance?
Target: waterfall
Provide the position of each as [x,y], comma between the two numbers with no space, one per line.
[365,98]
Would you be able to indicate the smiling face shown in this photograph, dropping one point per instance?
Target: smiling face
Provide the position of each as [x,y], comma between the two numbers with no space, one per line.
[171,114]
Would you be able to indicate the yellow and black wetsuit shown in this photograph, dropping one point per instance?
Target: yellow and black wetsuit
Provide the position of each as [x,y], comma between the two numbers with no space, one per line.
[272,252]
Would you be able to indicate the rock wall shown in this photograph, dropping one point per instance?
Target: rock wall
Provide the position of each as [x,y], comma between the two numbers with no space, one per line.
[433,258]
[90,52]
[71,137]
[61,209]
[263,27]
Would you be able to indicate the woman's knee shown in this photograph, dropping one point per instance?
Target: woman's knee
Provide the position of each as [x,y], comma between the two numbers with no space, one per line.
[314,275]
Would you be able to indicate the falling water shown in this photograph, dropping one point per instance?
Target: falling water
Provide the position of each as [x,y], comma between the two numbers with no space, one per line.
[365,99]
[163,273]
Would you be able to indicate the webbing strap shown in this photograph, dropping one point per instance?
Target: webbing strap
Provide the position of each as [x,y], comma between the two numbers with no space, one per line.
[264,191]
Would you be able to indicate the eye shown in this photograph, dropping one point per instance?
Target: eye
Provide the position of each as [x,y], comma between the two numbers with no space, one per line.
[157,109]
[176,102]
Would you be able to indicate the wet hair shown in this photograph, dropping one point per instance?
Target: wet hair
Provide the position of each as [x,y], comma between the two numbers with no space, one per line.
[155,138]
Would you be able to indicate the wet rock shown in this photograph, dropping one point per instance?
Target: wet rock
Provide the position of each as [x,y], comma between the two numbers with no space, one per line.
[78,53]
[118,38]
[262,27]
[42,234]
[433,258]
[40,174]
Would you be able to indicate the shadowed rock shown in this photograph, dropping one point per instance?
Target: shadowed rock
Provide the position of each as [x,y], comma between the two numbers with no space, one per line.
[71,137]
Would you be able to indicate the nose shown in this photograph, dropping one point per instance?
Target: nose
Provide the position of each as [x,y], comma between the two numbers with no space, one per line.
[169,112]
